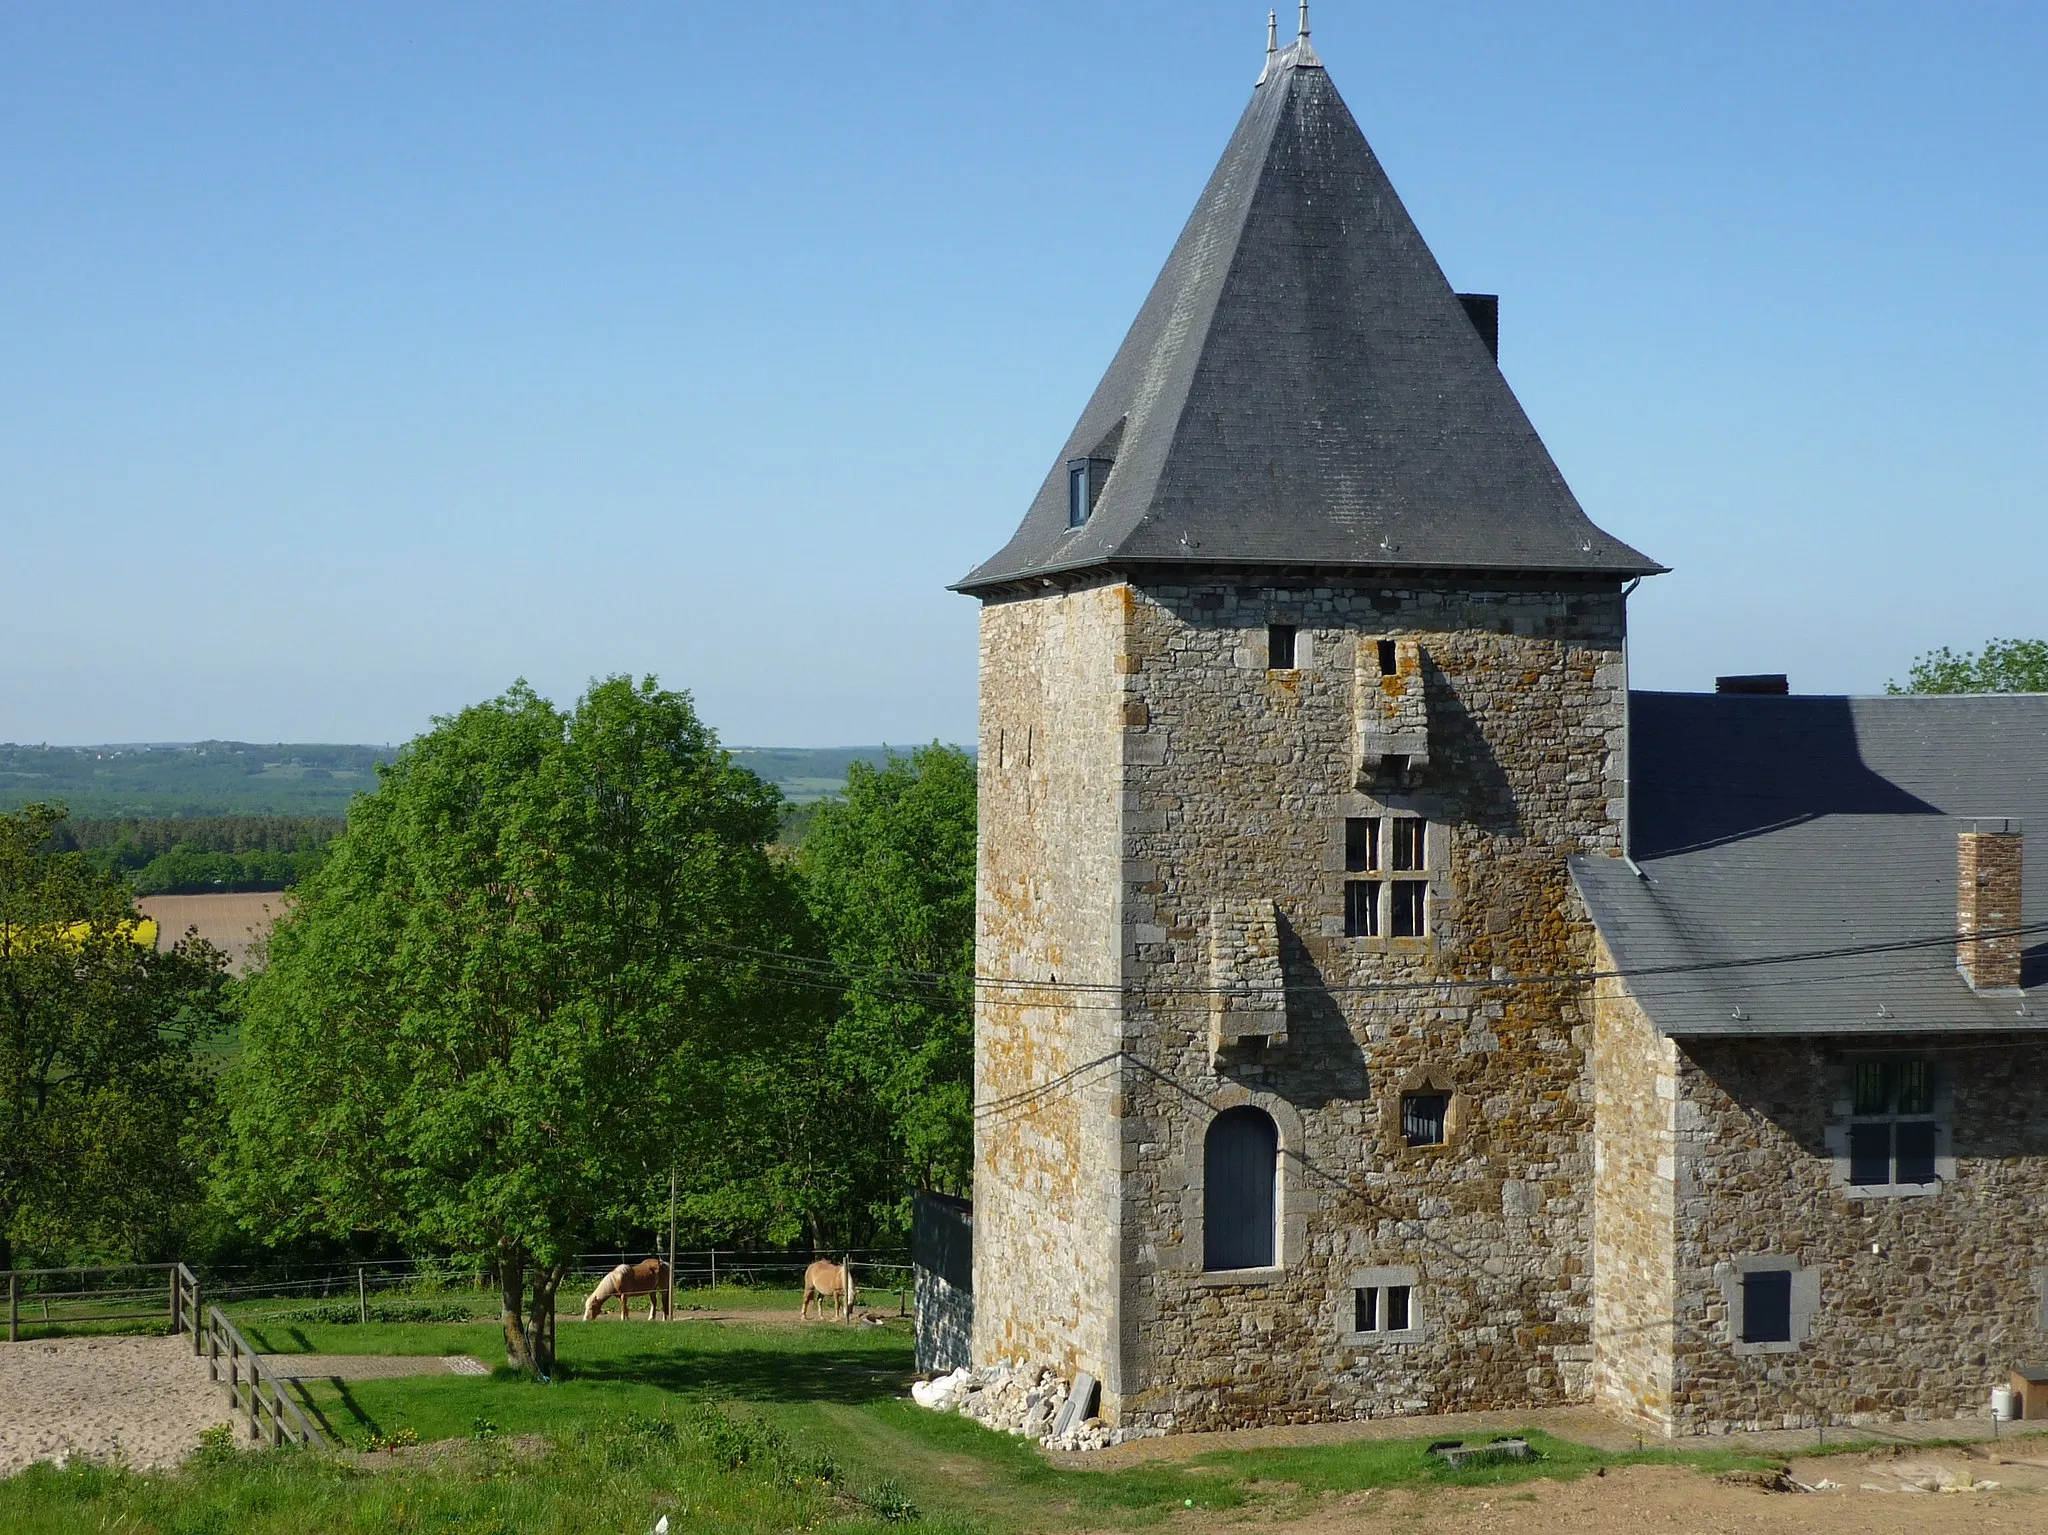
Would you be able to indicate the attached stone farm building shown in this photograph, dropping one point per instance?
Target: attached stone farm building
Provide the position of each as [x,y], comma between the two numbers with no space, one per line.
[1385,1011]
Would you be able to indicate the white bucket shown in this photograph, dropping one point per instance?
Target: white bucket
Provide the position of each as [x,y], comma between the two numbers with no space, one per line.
[2001,1403]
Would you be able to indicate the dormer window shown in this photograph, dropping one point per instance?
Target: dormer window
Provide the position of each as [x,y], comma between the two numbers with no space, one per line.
[1079,503]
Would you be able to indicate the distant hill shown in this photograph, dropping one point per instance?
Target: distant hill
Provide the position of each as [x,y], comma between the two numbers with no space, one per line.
[236,778]
[202,778]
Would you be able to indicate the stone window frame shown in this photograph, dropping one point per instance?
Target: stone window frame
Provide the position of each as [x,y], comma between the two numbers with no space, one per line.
[1805,1301]
[1417,1330]
[1436,864]
[1291,1221]
[1429,1077]
[1835,1134]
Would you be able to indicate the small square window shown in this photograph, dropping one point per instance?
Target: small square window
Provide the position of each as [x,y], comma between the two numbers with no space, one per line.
[1410,835]
[1423,1116]
[1279,647]
[1383,1307]
[1767,1306]
[1361,908]
[1411,908]
[1362,844]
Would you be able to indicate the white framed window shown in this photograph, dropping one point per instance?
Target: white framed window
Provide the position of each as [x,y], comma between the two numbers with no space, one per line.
[1384,1305]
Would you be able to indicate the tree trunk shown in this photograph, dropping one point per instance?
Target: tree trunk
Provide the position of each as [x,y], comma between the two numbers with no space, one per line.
[540,1330]
[512,1278]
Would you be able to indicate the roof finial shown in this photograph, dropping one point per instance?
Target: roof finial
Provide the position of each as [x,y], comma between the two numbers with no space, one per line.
[1272,45]
[1302,35]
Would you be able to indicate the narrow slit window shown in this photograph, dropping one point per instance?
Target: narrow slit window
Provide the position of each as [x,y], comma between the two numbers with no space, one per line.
[1767,1306]
[1279,647]
[1423,1118]
[1398,1297]
[1362,844]
[1361,908]
[1410,836]
[1387,661]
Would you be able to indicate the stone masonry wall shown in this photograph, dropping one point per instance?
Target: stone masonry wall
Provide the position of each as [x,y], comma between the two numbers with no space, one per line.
[1635,1094]
[1923,1302]
[1237,781]
[1045,1181]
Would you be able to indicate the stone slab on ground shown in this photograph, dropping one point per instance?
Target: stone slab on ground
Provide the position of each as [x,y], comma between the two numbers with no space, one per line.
[139,1400]
[370,1366]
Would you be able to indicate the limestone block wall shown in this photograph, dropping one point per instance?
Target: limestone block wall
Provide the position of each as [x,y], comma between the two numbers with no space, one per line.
[1921,1302]
[1635,1113]
[1047,913]
[1237,781]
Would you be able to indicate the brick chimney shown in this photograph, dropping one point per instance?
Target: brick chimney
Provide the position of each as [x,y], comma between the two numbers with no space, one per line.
[1988,900]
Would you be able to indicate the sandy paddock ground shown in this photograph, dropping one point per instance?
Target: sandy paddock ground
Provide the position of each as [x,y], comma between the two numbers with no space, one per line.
[140,1400]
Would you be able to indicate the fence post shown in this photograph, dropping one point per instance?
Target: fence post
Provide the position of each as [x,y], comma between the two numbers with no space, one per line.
[714,1273]
[13,1307]
[362,1296]
[198,1317]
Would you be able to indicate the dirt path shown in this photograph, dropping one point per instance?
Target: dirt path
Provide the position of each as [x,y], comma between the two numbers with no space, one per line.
[142,1400]
[1647,1500]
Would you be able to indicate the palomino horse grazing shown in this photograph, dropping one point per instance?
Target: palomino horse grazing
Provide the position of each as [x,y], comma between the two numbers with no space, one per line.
[648,1278]
[826,1278]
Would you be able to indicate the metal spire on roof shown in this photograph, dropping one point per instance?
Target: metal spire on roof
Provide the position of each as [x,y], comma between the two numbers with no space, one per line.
[1304,51]
[1272,45]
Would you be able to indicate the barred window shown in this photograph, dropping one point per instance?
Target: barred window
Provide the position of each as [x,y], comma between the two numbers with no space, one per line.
[1892,1130]
[1361,908]
[1423,1118]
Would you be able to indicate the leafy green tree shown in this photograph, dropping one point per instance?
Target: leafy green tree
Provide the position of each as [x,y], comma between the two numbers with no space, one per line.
[98,1079]
[501,1011]
[2002,666]
[889,877]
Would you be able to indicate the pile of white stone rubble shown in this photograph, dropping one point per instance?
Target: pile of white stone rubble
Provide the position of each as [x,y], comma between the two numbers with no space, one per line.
[1020,1398]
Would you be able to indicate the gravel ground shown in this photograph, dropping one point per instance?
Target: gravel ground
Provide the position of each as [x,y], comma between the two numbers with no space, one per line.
[141,1400]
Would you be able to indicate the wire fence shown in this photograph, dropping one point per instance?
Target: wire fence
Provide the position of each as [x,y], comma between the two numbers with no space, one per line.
[130,1297]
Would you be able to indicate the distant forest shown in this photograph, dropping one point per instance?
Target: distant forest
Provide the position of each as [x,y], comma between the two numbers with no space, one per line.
[222,816]
[203,855]
[235,778]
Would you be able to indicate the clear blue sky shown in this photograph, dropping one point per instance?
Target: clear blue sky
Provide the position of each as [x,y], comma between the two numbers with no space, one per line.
[355,360]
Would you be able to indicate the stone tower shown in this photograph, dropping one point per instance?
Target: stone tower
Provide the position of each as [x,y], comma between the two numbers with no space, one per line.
[1300,681]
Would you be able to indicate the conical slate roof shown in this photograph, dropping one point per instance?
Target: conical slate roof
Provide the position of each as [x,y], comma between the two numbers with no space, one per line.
[1303,388]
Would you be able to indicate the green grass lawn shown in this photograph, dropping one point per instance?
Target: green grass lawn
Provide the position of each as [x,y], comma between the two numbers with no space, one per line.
[722,1426]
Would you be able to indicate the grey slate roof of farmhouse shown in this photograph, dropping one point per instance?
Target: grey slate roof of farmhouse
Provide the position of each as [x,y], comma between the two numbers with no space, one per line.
[1303,387]
[1772,826]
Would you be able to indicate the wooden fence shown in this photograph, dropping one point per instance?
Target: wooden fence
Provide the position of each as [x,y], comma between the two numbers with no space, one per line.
[253,1391]
[42,1297]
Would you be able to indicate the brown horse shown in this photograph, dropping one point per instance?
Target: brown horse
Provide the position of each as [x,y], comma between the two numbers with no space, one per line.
[826,1278]
[648,1277]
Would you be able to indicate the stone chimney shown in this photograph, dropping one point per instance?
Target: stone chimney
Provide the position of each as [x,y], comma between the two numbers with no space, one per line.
[1988,900]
